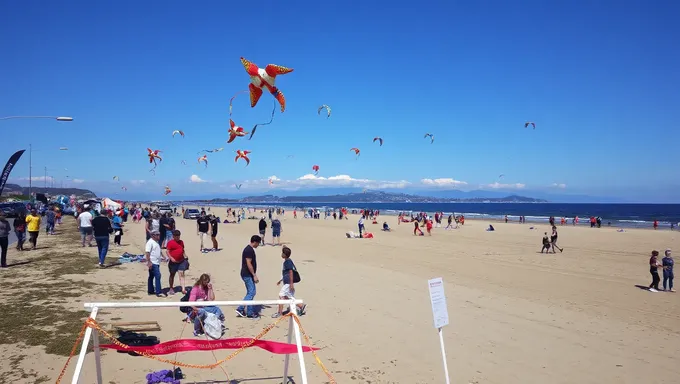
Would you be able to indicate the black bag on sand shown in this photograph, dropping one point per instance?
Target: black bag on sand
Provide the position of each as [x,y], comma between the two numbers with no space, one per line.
[186,298]
[135,339]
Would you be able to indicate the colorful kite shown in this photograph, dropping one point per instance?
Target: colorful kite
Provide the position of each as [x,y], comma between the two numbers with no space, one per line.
[205,159]
[328,110]
[379,139]
[315,168]
[267,123]
[529,122]
[264,78]
[431,137]
[242,155]
[153,155]
[238,186]
[357,151]
[211,150]
[176,132]
[235,131]
[271,181]
[167,190]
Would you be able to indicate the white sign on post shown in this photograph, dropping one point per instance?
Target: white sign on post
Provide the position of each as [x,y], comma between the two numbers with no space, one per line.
[438,300]
[440,313]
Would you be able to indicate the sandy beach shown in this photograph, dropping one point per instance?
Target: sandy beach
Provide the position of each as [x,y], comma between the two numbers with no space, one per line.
[517,316]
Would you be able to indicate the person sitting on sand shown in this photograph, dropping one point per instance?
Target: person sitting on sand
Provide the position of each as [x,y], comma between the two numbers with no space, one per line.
[416,229]
[546,243]
[203,291]
[386,227]
[491,228]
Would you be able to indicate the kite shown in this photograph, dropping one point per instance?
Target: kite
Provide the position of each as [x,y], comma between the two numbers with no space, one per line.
[315,168]
[378,139]
[116,178]
[266,78]
[123,188]
[290,156]
[153,171]
[63,149]
[238,186]
[176,132]
[184,162]
[431,137]
[167,190]
[153,155]
[242,155]
[357,151]
[203,158]
[267,123]
[529,122]
[271,181]
[501,175]
[328,110]
[235,131]
[211,150]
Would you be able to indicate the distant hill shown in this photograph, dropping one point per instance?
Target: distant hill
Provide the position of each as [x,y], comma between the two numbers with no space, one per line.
[376,197]
[14,189]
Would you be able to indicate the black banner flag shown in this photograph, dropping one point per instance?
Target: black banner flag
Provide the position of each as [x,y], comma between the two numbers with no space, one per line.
[8,168]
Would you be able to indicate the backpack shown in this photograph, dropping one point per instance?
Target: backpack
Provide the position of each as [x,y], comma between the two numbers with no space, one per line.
[186,298]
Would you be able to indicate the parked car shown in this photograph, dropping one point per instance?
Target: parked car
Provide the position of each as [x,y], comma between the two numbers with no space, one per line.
[191,214]
[164,208]
[13,209]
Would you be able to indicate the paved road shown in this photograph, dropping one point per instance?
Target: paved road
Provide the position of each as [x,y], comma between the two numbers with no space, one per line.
[13,236]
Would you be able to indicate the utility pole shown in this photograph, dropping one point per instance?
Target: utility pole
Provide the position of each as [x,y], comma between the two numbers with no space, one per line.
[45,180]
[30,170]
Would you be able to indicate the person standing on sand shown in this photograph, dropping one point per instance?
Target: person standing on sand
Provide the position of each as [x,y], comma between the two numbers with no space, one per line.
[51,218]
[276,231]
[553,240]
[4,239]
[667,262]
[117,224]
[101,226]
[249,277]
[202,226]
[33,225]
[546,243]
[20,230]
[214,224]
[361,226]
[262,226]
[653,269]
[416,230]
[428,226]
[85,227]
[290,276]
[178,263]
[152,251]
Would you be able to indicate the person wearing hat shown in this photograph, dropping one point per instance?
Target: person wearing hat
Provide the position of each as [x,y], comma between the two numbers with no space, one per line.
[4,239]
[667,262]
[152,251]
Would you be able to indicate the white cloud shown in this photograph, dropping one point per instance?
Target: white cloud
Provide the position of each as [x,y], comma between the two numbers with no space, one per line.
[137,182]
[196,179]
[560,186]
[443,183]
[38,178]
[310,180]
[498,185]
[78,181]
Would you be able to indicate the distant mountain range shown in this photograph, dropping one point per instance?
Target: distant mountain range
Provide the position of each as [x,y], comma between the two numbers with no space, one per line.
[374,197]
[15,189]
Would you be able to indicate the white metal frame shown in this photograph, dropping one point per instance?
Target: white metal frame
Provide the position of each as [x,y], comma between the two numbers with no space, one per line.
[95,307]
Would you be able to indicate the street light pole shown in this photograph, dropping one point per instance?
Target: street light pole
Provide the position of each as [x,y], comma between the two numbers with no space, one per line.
[30,170]
[45,180]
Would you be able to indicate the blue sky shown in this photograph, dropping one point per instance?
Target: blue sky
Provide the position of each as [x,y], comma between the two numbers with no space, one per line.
[599,78]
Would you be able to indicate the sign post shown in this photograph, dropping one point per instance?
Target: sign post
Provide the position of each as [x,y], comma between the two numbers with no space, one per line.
[441,315]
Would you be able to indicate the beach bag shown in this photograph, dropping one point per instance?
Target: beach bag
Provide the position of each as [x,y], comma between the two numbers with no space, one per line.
[296,275]
[186,298]
[212,326]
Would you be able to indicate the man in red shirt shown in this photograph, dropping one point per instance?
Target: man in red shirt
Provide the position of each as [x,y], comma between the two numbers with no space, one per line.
[178,260]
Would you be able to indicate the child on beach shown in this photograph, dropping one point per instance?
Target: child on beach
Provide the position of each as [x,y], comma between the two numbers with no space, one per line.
[546,243]
[667,262]
[416,230]
[428,226]
[289,278]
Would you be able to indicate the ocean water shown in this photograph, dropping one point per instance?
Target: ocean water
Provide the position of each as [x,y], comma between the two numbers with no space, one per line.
[619,215]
